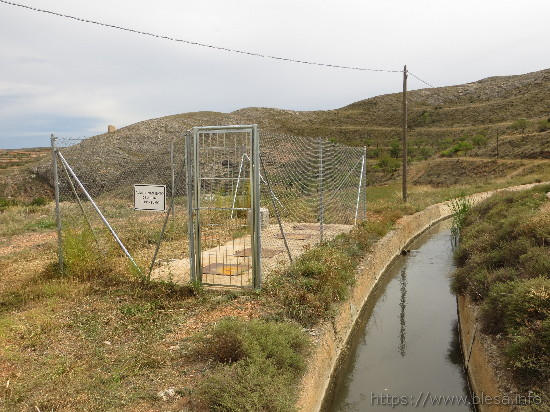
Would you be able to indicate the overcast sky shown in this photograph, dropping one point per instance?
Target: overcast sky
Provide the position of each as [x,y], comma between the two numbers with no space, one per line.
[74,79]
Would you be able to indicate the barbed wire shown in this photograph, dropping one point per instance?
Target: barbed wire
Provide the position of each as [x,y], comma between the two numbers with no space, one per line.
[196,43]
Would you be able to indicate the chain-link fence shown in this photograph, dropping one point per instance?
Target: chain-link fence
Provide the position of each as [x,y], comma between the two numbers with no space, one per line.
[310,190]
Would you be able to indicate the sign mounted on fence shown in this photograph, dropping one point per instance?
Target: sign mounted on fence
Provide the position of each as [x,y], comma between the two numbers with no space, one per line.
[150,197]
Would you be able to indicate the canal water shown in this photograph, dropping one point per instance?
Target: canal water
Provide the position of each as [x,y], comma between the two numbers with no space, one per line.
[404,353]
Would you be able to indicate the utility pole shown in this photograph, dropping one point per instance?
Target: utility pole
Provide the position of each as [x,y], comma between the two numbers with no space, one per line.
[405,133]
[497,146]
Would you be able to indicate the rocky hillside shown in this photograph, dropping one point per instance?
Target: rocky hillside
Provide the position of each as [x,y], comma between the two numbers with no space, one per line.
[438,119]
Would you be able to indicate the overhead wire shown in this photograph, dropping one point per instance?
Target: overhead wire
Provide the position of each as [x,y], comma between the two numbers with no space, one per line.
[196,43]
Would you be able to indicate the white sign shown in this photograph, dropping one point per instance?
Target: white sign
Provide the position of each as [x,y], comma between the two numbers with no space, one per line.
[150,197]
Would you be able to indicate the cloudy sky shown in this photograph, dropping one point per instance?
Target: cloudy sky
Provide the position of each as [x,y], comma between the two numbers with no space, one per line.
[73,79]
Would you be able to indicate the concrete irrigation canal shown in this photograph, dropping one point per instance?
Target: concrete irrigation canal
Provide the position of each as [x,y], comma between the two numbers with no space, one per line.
[404,352]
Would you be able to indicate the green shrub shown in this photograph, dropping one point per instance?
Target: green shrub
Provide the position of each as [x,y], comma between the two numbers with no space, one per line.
[543,125]
[258,365]
[388,164]
[395,150]
[479,140]
[42,224]
[322,276]
[536,262]
[513,304]
[319,277]
[461,146]
[425,152]
[38,201]
[519,125]
[528,353]
[5,203]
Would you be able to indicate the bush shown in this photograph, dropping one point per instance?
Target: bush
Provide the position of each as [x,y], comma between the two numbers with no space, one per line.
[543,125]
[425,152]
[519,125]
[388,164]
[5,203]
[322,276]
[513,304]
[479,140]
[38,201]
[461,146]
[460,206]
[395,150]
[259,364]
[528,353]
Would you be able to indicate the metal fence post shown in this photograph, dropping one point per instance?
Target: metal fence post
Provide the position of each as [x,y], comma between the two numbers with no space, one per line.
[57,208]
[190,202]
[365,181]
[360,186]
[255,204]
[173,177]
[197,205]
[321,200]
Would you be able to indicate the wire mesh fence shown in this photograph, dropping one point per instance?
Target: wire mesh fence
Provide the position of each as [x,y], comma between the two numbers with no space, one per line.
[313,190]
[96,199]
[310,190]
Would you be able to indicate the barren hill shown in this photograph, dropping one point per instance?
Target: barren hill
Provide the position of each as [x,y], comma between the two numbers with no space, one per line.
[438,118]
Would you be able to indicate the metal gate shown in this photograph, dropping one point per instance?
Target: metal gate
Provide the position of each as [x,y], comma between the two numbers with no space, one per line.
[223,177]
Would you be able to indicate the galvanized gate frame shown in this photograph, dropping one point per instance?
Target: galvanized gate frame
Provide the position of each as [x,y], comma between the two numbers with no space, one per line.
[192,153]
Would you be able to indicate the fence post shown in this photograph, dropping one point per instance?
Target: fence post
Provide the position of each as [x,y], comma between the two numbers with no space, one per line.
[197,205]
[57,208]
[365,181]
[321,200]
[255,204]
[173,177]
[190,202]
[360,186]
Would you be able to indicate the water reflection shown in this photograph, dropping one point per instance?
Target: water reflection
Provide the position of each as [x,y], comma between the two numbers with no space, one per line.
[454,355]
[402,306]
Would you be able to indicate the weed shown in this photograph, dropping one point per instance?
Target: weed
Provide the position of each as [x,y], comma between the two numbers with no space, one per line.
[460,207]
[81,257]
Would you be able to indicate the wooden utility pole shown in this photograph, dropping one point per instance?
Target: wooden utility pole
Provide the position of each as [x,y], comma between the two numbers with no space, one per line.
[497,146]
[404,133]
